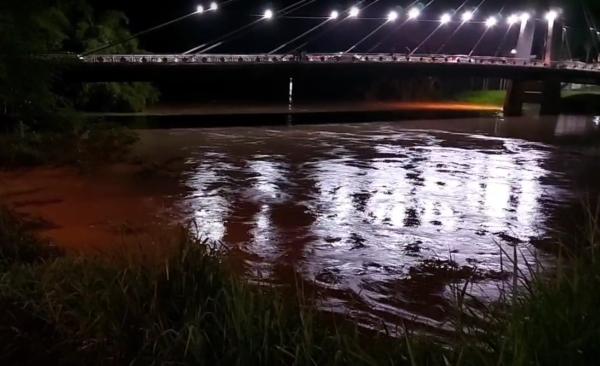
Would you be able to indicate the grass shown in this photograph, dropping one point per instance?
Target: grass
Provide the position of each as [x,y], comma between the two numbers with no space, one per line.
[483,97]
[584,101]
[190,309]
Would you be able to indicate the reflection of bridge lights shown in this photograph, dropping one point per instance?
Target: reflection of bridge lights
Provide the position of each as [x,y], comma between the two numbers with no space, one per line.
[414,13]
[354,12]
[268,14]
[214,6]
[334,14]
[525,17]
[446,18]
[392,16]
[512,19]
[467,16]
[551,16]
[200,9]
[491,22]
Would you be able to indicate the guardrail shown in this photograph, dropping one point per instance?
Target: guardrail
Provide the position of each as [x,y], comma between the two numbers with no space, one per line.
[334,58]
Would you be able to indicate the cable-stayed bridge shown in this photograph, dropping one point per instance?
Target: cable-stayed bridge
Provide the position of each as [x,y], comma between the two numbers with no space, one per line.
[535,79]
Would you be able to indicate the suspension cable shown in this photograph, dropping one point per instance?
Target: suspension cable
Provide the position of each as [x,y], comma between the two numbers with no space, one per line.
[487,30]
[299,36]
[232,34]
[479,41]
[366,37]
[380,27]
[337,24]
[146,31]
[426,39]
[439,50]
[396,29]
[503,41]
[591,26]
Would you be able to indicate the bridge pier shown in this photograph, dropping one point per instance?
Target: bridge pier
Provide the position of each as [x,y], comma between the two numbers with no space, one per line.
[513,102]
[551,97]
[546,93]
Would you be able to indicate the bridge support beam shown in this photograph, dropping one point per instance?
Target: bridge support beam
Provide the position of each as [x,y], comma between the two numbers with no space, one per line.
[551,94]
[546,93]
[513,102]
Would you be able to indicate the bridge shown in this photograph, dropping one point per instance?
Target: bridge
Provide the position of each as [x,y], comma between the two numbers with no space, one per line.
[521,72]
[532,80]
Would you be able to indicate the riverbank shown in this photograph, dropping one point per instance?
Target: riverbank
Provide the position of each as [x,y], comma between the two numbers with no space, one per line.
[190,309]
[180,115]
[574,102]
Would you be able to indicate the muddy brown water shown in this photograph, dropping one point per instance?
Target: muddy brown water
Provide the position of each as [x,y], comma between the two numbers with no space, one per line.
[383,218]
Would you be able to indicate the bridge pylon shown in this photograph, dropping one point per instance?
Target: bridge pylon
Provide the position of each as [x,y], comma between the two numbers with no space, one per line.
[525,42]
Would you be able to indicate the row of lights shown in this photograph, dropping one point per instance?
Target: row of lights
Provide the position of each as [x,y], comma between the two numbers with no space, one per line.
[415,12]
[213,6]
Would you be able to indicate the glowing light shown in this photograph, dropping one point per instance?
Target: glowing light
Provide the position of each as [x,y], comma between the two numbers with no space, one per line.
[446,18]
[392,16]
[467,16]
[334,14]
[214,6]
[200,9]
[513,51]
[525,17]
[511,20]
[551,16]
[414,13]
[268,14]
[491,21]
[354,11]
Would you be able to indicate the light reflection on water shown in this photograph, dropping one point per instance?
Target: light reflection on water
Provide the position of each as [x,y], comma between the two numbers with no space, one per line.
[383,218]
[380,219]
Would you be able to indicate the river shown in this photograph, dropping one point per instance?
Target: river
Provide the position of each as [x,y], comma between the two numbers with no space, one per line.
[384,219]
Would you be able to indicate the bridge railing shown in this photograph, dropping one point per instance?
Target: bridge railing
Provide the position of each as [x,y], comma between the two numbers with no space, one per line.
[188,59]
[335,58]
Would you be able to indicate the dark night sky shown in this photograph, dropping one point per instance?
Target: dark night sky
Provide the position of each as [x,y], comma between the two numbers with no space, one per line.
[267,35]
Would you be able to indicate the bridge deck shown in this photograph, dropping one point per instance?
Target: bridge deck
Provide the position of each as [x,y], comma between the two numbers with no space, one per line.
[155,66]
[337,58]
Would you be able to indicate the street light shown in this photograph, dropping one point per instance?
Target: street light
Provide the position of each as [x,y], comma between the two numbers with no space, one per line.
[334,14]
[525,17]
[392,16]
[551,16]
[354,12]
[491,22]
[467,16]
[199,9]
[511,20]
[414,13]
[446,18]
[268,14]
[214,6]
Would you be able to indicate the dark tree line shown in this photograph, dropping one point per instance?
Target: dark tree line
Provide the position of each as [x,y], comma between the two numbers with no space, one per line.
[29,88]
